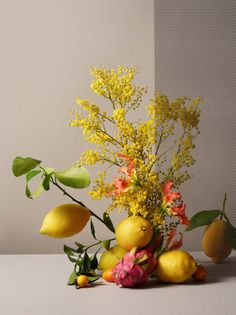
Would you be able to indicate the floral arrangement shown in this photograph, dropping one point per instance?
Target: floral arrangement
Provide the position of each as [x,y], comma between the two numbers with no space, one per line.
[147,159]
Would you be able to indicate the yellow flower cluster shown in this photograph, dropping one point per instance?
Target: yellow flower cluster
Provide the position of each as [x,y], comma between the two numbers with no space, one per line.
[90,157]
[102,189]
[147,153]
[114,85]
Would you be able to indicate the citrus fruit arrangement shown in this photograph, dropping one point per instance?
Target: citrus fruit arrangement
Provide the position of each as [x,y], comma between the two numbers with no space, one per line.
[151,158]
[145,260]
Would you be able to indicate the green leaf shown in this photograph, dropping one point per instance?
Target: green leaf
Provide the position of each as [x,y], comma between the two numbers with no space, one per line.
[79,263]
[69,250]
[92,229]
[21,166]
[72,278]
[231,235]
[75,177]
[79,245]
[106,244]
[46,182]
[92,278]
[86,263]
[108,222]
[39,190]
[94,262]
[31,174]
[80,248]
[202,218]
[73,260]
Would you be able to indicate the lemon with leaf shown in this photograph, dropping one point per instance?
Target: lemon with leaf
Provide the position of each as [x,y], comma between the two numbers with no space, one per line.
[65,220]
[219,237]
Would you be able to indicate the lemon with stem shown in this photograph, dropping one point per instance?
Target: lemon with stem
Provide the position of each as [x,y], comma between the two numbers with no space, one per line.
[134,231]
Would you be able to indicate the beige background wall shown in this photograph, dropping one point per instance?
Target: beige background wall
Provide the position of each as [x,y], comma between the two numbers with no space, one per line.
[46,49]
[195,54]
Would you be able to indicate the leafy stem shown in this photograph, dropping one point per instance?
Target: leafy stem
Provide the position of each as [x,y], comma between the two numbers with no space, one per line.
[97,243]
[75,200]
[55,183]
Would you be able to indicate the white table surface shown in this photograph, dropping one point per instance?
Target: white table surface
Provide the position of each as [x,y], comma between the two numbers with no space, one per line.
[36,284]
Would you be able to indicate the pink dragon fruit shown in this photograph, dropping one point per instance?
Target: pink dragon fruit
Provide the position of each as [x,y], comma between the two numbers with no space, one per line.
[135,268]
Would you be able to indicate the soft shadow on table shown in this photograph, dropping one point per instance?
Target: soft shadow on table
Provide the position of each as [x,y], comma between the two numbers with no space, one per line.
[216,273]
[157,284]
[226,269]
[162,285]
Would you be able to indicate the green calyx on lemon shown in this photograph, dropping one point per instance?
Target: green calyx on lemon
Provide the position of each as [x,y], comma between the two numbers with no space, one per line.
[65,220]
[175,266]
[134,231]
[111,257]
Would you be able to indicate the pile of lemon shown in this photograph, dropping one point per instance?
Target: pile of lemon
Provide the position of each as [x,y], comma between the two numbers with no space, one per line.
[173,266]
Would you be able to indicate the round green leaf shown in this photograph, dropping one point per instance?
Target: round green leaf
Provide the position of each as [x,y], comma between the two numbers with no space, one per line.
[21,166]
[75,177]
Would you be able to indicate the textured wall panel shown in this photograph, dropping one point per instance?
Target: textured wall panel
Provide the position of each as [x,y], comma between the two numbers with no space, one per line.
[195,54]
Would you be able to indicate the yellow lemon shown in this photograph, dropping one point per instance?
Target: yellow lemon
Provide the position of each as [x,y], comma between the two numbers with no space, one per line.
[65,220]
[214,241]
[111,257]
[133,231]
[175,266]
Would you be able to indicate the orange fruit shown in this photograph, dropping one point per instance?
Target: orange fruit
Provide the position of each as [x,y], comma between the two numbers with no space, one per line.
[200,274]
[82,281]
[133,231]
[107,275]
